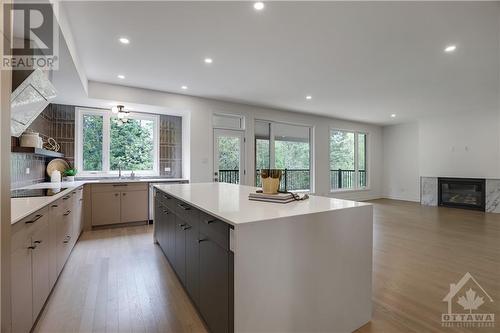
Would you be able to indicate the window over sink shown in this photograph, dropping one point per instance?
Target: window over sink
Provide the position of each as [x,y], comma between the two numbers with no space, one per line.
[104,145]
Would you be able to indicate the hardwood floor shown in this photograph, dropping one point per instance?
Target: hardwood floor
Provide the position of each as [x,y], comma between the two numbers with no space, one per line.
[117,281]
[418,252]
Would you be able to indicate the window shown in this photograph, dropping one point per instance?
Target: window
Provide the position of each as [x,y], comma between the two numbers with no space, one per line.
[286,147]
[104,145]
[348,166]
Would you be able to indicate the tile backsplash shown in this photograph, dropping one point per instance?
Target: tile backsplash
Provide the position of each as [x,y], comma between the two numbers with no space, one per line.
[19,165]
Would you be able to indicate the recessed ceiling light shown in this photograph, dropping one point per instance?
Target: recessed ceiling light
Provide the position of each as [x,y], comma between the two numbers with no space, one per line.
[184,87]
[450,48]
[259,5]
[393,115]
[309,97]
[208,60]
[124,40]
[120,76]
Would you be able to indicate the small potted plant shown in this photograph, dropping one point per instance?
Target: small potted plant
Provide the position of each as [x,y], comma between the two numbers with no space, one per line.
[70,175]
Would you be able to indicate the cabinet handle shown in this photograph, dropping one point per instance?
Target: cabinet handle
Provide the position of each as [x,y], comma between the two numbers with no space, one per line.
[184,207]
[74,192]
[181,225]
[124,194]
[36,218]
[211,221]
[187,227]
[202,240]
[37,242]
[67,213]
[118,185]
[167,197]
[166,212]
[54,206]
[117,194]
[66,241]
[66,197]
[31,247]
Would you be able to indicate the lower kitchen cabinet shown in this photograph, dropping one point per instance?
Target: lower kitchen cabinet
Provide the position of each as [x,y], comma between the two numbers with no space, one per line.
[199,256]
[41,244]
[119,203]
[214,285]
[40,268]
[106,208]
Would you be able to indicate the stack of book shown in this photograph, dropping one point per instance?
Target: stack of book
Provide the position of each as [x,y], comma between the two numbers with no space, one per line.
[279,198]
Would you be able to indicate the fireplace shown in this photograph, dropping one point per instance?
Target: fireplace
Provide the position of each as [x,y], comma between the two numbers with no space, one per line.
[467,193]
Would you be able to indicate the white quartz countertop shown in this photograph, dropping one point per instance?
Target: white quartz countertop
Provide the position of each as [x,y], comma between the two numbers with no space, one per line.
[23,207]
[229,202]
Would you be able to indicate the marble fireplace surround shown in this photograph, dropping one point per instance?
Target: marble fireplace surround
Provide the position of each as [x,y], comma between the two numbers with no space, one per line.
[429,193]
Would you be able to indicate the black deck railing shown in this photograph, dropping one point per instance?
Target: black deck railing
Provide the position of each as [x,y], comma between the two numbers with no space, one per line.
[229,176]
[300,179]
[291,180]
[340,179]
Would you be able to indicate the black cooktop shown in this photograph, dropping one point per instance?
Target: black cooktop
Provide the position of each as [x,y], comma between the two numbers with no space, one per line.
[42,192]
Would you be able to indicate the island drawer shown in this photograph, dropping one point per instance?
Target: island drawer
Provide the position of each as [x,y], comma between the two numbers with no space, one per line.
[167,200]
[215,229]
[185,211]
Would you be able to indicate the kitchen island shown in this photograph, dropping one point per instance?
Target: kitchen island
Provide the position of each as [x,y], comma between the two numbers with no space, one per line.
[252,266]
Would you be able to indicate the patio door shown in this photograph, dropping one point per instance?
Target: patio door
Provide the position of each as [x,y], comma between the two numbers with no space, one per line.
[229,154]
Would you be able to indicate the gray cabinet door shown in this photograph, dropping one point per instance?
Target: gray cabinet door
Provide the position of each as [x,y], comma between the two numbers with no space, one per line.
[180,249]
[214,285]
[193,261]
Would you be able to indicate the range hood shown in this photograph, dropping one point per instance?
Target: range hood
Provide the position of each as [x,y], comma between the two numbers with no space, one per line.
[29,99]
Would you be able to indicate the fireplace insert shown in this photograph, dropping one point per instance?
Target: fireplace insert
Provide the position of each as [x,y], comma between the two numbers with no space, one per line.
[467,193]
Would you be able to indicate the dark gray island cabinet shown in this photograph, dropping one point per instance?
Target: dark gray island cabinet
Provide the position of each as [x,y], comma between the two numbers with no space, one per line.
[197,246]
[260,267]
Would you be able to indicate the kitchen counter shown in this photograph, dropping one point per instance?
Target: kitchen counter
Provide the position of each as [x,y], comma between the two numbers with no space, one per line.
[229,202]
[23,207]
[305,266]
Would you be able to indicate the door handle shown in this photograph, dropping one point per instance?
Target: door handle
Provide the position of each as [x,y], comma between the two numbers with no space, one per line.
[36,218]
[184,207]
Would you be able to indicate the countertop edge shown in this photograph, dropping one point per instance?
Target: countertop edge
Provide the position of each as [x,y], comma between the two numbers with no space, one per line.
[34,209]
[70,186]
[365,204]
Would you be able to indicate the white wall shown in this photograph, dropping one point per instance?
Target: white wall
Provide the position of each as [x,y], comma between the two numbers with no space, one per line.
[463,145]
[199,156]
[459,145]
[401,162]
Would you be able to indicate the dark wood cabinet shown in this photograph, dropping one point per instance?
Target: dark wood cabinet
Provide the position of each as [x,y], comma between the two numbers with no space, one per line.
[197,246]
[193,261]
[180,249]
[214,285]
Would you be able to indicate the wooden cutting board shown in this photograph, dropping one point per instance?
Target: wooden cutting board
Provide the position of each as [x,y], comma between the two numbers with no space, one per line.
[57,164]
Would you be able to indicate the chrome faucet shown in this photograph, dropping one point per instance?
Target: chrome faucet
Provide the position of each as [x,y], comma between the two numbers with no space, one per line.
[119,170]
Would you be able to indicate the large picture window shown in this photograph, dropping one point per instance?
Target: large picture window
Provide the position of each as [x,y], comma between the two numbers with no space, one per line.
[286,147]
[104,145]
[348,166]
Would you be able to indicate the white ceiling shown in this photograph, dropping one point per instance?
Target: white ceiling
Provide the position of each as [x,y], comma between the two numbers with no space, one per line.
[359,61]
